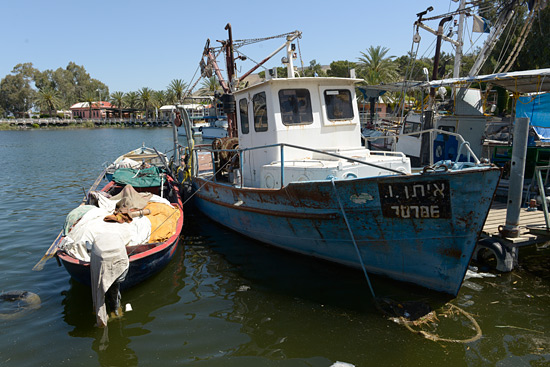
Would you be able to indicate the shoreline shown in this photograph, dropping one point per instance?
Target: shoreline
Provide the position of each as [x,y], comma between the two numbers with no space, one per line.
[6,125]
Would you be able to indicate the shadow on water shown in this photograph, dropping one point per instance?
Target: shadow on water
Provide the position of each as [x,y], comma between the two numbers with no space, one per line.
[294,275]
[111,344]
[228,300]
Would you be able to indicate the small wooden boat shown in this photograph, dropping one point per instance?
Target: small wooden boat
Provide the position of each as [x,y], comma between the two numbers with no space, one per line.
[92,243]
[135,158]
[145,259]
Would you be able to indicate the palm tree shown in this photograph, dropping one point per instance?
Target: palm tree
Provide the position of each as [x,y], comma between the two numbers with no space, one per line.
[132,99]
[177,86]
[210,85]
[48,98]
[375,67]
[117,98]
[171,97]
[145,97]
[159,99]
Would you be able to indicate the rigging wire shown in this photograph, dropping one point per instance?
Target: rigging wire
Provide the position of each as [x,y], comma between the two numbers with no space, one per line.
[504,49]
[244,42]
[521,40]
[249,58]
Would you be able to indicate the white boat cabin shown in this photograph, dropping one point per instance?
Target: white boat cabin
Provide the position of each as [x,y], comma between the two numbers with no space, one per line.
[315,113]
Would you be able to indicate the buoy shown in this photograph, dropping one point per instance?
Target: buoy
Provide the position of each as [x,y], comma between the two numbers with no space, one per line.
[26,302]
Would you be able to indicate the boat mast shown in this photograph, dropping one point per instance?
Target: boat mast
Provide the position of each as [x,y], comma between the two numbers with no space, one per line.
[288,44]
[229,57]
[436,56]
[458,53]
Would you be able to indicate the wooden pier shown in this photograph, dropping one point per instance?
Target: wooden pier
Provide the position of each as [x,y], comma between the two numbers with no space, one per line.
[532,226]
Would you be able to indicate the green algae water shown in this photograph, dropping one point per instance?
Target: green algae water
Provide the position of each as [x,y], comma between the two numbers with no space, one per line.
[225,300]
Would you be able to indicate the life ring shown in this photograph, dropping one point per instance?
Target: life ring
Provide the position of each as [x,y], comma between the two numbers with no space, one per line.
[26,301]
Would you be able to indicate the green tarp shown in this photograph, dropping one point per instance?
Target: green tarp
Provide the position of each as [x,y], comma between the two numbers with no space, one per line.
[147,177]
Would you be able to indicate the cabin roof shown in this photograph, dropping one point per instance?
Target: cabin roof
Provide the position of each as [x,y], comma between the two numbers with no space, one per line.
[302,80]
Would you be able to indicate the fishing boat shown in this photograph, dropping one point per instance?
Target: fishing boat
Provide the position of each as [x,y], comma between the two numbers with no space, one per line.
[135,159]
[213,128]
[124,233]
[293,174]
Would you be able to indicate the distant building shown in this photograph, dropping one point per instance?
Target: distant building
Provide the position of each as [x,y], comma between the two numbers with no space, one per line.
[380,110]
[82,110]
[196,111]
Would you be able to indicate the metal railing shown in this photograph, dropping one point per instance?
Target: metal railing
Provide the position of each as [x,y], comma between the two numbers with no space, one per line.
[433,132]
[281,146]
[540,183]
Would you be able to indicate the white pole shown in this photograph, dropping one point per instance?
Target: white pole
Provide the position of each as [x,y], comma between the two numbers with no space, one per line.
[290,66]
[458,53]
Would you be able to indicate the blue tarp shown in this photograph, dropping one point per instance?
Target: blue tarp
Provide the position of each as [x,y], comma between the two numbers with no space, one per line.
[537,109]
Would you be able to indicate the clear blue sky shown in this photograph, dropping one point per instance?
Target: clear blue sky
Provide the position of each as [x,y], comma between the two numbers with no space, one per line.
[133,44]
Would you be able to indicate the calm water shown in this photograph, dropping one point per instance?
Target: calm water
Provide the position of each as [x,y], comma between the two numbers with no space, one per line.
[225,300]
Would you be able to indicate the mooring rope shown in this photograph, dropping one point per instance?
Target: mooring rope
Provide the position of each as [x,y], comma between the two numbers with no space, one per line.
[407,323]
[436,338]
[353,240]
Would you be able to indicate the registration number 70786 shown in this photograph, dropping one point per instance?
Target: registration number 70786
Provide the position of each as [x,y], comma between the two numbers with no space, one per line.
[415,199]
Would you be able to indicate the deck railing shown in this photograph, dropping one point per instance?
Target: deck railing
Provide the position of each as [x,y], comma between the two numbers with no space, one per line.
[464,145]
[281,146]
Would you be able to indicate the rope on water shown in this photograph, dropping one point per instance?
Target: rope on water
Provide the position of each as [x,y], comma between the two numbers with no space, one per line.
[436,338]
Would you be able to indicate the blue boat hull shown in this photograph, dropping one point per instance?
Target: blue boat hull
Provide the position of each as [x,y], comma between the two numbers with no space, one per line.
[419,228]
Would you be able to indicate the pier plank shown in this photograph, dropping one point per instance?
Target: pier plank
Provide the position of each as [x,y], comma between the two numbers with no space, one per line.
[497,217]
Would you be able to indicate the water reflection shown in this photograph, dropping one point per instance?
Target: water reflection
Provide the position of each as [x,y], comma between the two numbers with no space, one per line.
[290,306]
[112,344]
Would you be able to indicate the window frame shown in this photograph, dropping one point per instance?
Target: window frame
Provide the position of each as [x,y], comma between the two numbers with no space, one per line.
[259,124]
[241,116]
[308,113]
[330,109]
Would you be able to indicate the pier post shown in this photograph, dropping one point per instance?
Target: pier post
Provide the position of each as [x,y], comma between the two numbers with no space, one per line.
[515,190]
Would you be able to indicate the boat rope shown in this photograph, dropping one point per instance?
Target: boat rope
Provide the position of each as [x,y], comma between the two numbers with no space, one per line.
[23,302]
[436,338]
[300,53]
[519,43]
[353,239]
[207,181]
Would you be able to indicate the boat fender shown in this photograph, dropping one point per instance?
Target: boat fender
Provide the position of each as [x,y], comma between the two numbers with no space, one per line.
[503,256]
[26,302]
[200,129]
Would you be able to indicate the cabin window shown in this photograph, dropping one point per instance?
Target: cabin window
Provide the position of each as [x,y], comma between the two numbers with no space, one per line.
[450,129]
[411,127]
[260,112]
[295,106]
[243,113]
[338,103]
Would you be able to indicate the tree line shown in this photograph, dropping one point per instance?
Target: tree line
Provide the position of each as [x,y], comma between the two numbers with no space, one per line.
[27,87]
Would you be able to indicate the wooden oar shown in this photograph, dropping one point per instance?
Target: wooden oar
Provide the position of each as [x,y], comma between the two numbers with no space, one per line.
[53,248]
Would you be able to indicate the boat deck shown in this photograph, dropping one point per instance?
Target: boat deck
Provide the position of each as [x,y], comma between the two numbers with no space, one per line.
[529,222]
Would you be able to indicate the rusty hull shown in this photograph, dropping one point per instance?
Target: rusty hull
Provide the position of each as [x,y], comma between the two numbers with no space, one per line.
[419,228]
